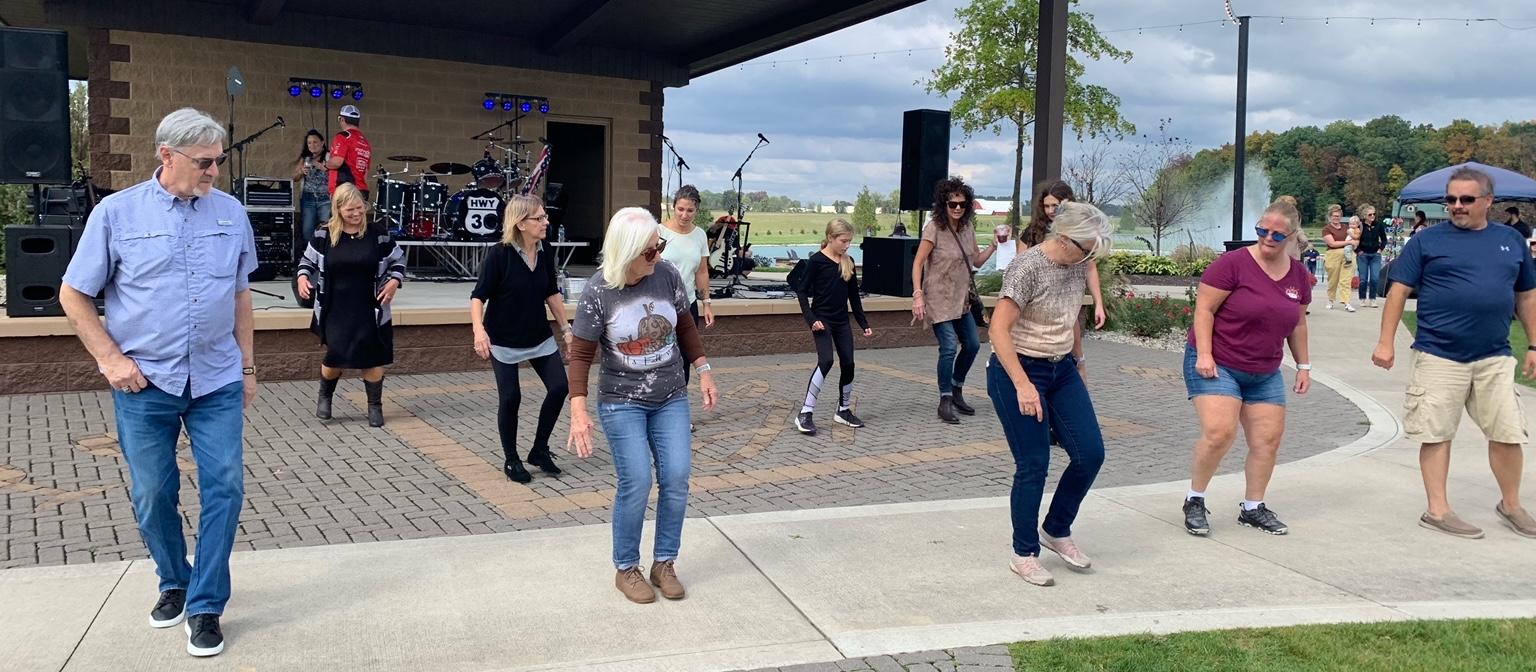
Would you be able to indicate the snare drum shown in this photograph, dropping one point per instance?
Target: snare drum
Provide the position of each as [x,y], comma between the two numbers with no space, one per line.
[476,214]
[488,174]
[433,196]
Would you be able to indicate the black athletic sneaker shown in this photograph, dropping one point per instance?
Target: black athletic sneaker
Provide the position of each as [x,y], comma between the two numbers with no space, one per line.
[1261,518]
[169,610]
[204,638]
[846,416]
[805,425]
[1194,517]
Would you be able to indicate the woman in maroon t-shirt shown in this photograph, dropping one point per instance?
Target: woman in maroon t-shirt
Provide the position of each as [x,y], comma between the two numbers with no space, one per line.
[1252,302]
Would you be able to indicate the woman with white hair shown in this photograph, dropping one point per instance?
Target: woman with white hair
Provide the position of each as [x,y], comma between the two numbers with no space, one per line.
[635,310]
[1251,302]
[1036,385]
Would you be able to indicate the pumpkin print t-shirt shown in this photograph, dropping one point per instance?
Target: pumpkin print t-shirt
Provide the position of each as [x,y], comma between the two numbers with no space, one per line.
[635,327]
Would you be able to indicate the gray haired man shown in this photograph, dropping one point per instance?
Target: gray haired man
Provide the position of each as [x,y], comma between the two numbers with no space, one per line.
[172,255]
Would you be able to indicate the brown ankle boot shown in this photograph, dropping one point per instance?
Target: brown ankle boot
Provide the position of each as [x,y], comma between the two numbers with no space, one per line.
[664,576]
[632,583]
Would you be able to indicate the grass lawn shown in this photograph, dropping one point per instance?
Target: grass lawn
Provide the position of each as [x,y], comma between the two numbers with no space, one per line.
[1481,645]
[1518,342]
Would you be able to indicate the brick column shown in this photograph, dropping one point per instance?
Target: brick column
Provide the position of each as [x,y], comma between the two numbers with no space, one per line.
[652,128]
[101,90]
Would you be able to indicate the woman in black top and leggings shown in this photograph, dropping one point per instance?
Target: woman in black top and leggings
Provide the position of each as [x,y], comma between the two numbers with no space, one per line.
[518,281]
[826,287]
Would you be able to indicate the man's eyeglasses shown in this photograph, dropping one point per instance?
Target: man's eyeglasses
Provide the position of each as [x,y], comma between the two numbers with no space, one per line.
[1464,200]
[650,252]
[203,164]
[957,205]
[1276,236]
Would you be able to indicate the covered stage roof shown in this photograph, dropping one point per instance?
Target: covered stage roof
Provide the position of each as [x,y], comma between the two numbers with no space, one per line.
[670,41]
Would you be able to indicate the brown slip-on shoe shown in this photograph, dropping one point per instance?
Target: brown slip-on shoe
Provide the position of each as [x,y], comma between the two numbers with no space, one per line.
[1518,520]
[632,583]
[664,576]
[1451,524]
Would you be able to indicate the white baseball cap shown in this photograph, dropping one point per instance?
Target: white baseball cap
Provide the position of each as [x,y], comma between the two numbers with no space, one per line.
[350,112]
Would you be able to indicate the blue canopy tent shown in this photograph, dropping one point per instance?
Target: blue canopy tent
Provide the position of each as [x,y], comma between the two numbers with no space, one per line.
[1508,185]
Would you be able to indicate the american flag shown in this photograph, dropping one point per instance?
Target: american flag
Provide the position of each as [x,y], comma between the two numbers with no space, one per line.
[539,170]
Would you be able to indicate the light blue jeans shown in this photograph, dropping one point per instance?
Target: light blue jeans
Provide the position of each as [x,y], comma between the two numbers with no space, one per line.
[314,211]
[148,424]
[644,438]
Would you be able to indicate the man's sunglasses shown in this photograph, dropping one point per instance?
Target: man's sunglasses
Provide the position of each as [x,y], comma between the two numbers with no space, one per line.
[1276,236]
[956,205]
[650,252]
[203,164]
[1464,200]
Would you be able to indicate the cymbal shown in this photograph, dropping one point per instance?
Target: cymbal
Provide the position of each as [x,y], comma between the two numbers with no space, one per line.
[449,168]
[407,158]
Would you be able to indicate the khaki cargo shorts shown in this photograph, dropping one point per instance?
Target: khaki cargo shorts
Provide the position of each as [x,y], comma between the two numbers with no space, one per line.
[1441,388]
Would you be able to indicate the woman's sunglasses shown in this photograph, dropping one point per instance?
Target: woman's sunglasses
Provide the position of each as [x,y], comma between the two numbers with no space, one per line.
[650,252]
[1276,236]
[957,205]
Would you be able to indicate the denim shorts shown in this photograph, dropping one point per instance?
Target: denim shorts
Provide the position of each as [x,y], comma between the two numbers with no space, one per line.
[1252,388]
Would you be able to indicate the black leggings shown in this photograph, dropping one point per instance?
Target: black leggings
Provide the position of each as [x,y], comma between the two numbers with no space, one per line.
[838,336]
[693,309]
[510,397]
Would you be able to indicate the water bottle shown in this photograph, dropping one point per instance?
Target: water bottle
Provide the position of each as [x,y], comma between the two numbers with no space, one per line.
[560,234]
[564,280]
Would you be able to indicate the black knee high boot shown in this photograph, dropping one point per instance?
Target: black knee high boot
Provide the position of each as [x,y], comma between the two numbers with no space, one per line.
[375,402]
[323,402]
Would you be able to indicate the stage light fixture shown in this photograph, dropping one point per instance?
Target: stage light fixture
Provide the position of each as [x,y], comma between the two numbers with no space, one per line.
[490,103]
[544,107]
[337,93]
[507,105]
[295,90]
[527,106]
[357,94]
[316,92]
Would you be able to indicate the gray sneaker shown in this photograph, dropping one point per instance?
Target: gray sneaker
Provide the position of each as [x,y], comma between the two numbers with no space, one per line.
[1451,524]
[1518,520]
[1028,567]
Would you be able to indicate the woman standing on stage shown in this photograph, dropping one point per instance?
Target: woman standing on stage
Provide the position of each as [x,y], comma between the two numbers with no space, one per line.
[353,273]
[1050,197]
[518,280]
[635,311]
[826,288]
[310,171]
[942,282]
[1035,383]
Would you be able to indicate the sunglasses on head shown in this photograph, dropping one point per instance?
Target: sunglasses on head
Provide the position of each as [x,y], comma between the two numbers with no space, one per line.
[1464,200]
[203,164]
[1276,236]
[650,252]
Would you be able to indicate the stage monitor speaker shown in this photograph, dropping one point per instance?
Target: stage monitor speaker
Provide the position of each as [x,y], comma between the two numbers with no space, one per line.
[888,265]
[924,156]
[35,258]
[34,106]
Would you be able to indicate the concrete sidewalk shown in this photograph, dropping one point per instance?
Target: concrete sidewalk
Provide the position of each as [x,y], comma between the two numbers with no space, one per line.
[777,589]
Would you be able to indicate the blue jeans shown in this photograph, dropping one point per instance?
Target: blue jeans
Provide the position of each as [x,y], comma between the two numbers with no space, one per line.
[148,424]
[1069,411]
[1368,267]
[314,211]
[1251,388]
[641,435]
[958,345]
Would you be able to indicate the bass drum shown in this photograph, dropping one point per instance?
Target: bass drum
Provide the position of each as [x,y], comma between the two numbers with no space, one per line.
[477,215]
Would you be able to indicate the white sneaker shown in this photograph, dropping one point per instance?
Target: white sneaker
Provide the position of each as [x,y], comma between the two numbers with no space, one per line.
[1349,307]
[1330,305]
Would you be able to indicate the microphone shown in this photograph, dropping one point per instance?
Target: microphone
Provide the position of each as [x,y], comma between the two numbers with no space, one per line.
[765,140]
[663,137]
[280,123]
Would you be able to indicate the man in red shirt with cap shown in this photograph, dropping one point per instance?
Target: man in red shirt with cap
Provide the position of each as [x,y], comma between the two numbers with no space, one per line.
[351,155]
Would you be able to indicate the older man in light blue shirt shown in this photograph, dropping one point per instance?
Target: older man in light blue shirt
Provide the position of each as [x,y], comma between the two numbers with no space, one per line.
[172,256]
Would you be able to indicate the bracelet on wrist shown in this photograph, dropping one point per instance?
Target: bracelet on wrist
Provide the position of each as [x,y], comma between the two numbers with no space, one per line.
[1303,367]
[702,368]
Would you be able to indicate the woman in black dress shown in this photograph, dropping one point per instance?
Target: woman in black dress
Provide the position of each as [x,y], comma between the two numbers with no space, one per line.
[353,272]
[517,280]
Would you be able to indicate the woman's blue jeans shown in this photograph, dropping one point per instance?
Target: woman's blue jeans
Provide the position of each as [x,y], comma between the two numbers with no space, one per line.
[1069,411]
[314,210]
[644,438]
[958,345]
[1368,267]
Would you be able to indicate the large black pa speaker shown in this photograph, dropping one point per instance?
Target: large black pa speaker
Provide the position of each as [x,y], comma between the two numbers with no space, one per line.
[34,106]
[924,156]
[36,258]
[888,265]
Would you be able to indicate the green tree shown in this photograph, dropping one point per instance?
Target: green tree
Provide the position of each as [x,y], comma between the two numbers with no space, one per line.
[79,137]
[1397,178]
[989,72]
[864,212]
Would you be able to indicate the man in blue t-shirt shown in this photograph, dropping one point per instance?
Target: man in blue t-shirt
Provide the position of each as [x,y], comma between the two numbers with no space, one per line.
[1470,278]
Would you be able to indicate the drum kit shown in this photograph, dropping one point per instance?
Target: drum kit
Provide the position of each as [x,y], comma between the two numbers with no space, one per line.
[417,206]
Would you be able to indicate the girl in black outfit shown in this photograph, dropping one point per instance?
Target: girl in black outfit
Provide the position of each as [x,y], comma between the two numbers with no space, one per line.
[518,280]
[353,272]
[826,286]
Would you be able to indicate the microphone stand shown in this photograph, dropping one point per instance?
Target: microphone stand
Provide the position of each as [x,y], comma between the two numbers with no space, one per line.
[678,164]
[495,128]
[240,148]
[732,268]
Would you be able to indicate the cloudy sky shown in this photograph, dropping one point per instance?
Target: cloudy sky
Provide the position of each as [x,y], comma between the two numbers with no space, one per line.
[836,125]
